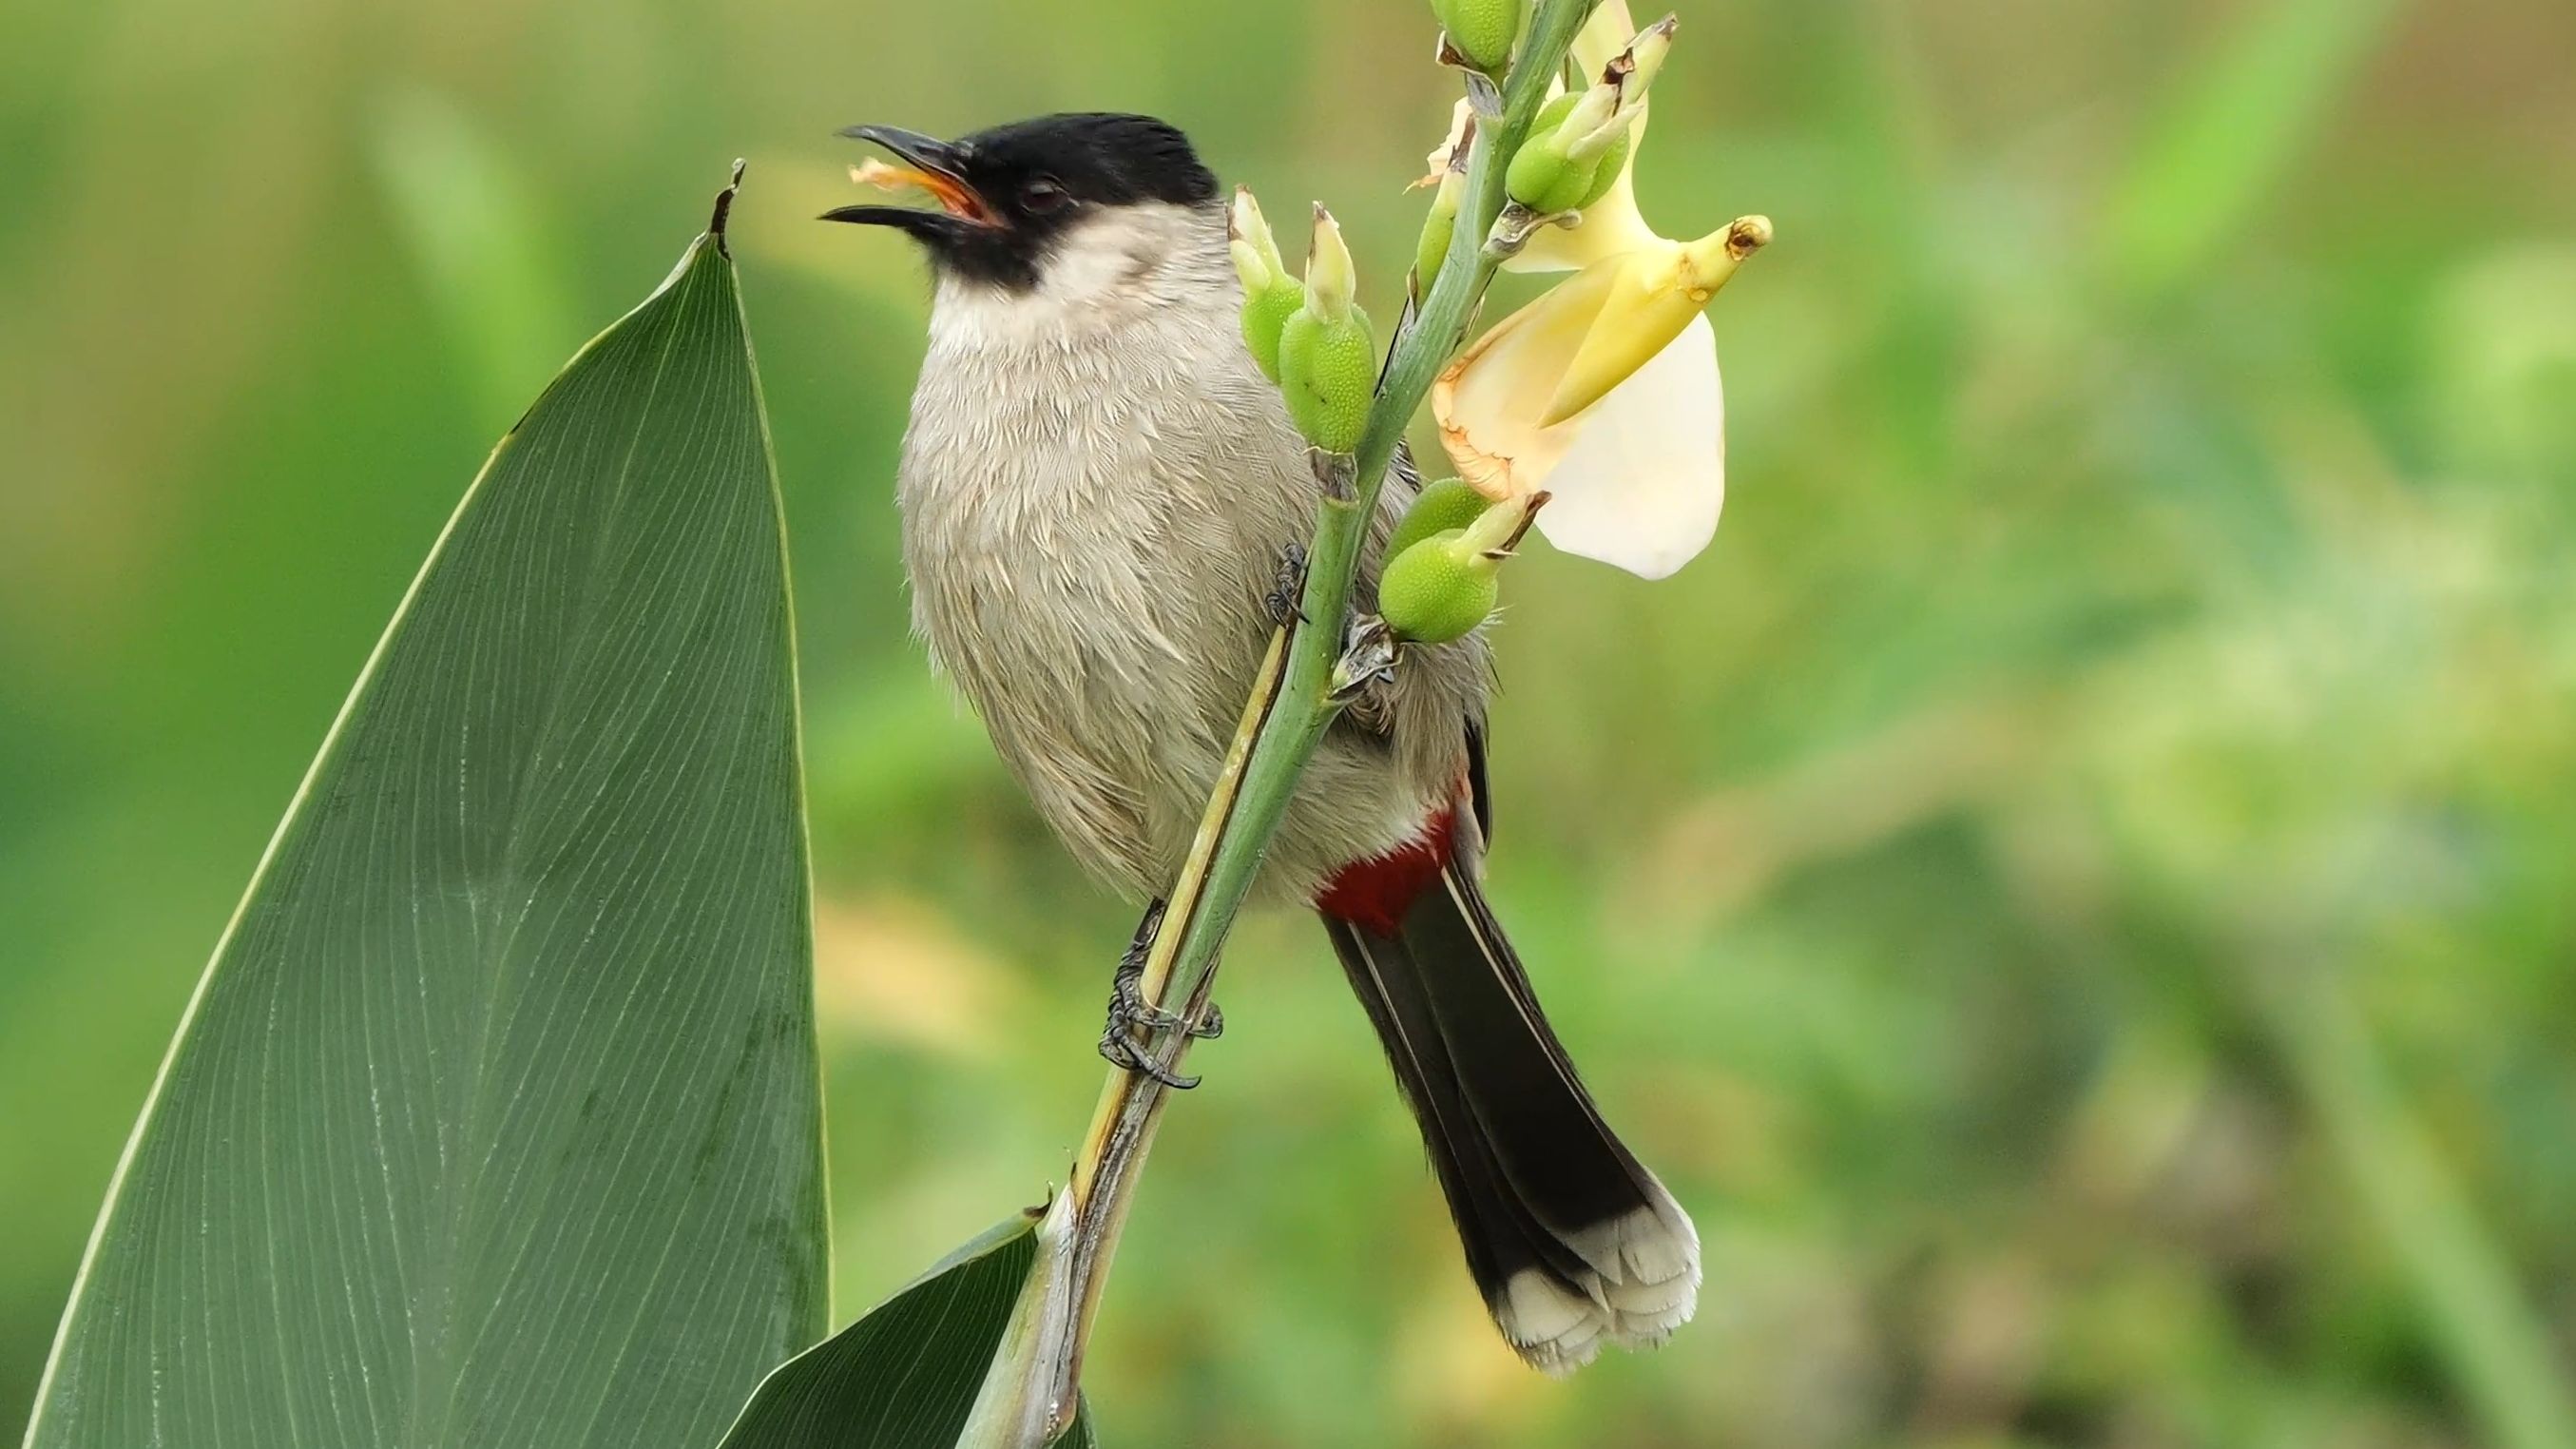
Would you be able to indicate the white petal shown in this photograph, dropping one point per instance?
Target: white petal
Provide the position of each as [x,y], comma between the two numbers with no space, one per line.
[1643,482]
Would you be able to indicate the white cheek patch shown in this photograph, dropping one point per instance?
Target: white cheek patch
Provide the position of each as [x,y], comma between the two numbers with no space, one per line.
[1110,252]
[1104,271]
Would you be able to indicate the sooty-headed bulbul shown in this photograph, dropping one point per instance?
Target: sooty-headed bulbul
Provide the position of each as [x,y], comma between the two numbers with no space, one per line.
[1097,488]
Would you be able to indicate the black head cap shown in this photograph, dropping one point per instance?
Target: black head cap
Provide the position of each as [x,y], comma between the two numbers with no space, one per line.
[1007,194]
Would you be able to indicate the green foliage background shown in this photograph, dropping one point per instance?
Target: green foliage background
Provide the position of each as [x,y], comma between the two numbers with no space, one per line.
[2073,890]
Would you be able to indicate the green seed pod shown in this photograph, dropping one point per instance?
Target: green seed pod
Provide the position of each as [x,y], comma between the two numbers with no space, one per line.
[1481,30]
[1327,355]
[1605,172]
[1445,505]
[1438,589]
[1543,175]
[1264,313]
[1327,374]
[1547,183]
[1551,116]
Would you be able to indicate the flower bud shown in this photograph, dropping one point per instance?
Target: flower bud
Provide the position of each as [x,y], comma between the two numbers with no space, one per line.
[1437,230]
[1575,149]
[1327,355]
[1481,31]
[1332,279]
[1444,585]
[1578,145]
[1646,59]
[1270,293]
[1437,590]
[1447,504]
[1610,159]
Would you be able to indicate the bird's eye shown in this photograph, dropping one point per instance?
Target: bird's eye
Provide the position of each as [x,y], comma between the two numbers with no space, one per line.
[1043,194]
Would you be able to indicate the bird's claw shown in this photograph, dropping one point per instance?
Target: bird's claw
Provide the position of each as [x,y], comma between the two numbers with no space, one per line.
[1134,1021]
[1124,1055]
[1368,659]
[1289,588]
[1129,1009]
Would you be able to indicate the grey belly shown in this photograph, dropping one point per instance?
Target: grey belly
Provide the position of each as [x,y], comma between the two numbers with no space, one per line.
[1112,686]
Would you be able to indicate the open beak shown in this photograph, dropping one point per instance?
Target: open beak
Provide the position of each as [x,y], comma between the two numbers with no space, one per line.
[924,162]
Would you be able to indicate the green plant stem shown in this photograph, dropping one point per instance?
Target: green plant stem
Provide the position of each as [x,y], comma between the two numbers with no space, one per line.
[1422,347]
[1295,699]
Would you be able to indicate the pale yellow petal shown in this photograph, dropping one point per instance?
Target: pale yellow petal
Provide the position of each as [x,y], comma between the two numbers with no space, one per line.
[1490,400]
[1641,312]
[1602,38]
[1659,289]
[1610,226]
[1246,226]
[1332,279]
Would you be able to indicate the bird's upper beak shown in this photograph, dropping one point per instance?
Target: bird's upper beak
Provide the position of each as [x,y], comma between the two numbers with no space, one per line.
[927,163]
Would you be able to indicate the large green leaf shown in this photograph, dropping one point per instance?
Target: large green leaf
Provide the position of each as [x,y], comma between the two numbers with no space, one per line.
[494,1121]
[947,1363]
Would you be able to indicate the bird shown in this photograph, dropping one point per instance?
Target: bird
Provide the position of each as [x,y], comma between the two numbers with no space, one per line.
[1097,488]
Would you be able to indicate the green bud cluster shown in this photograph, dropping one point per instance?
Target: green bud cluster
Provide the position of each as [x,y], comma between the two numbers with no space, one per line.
[1573,155]
[1579,142]
[1449,503]
[1445,577]
[1327,354]
[1438,590]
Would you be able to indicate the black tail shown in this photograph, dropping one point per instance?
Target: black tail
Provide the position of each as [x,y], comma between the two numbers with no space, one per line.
[1572,1242]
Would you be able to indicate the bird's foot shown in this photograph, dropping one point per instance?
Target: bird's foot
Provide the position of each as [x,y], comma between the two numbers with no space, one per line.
[1127,1038]
[1364,677]
[1288,588]
[1128,1056]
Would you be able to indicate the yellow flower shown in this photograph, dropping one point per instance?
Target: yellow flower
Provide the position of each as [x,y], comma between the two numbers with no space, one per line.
[1605,392]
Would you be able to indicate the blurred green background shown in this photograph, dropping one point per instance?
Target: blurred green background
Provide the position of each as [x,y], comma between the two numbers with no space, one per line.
[2073,891]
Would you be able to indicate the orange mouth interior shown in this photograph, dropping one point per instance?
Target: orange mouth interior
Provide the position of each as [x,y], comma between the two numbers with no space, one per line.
[954,196]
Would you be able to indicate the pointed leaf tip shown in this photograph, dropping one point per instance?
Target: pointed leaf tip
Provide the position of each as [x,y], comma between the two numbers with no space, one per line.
[724,207]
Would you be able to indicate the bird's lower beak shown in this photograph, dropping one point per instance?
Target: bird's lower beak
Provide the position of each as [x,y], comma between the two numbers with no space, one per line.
[927,163]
